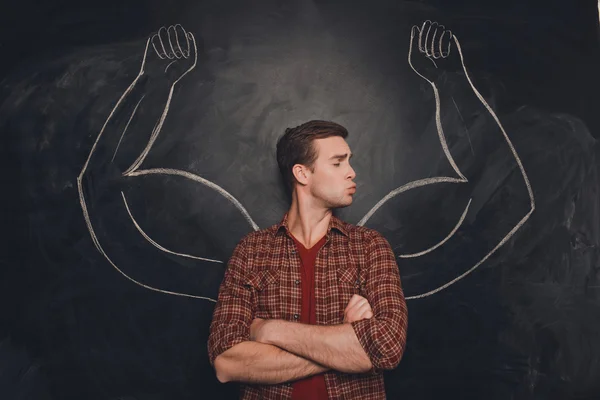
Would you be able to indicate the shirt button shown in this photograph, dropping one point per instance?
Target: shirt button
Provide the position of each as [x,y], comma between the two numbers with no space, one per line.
[296,316]
[297,282]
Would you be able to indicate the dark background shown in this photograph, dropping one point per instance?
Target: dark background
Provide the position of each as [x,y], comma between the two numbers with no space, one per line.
[525,325]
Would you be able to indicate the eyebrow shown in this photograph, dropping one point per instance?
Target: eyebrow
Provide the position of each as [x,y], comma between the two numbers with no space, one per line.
[340,156]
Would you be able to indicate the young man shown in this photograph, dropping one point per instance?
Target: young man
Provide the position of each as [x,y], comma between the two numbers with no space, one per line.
[312,307]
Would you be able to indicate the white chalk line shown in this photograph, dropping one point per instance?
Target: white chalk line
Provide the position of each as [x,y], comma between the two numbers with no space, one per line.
[464,124]
[429,250]
[404,188]
[136,164]
[488,255]
[438,118]
[493,114]
[441,135]
[80,190]
[162,55]
[155,244]
[519,163]
[171,63]
[196,178]
[126,126]
[101,250]
[87,217]
[169,36]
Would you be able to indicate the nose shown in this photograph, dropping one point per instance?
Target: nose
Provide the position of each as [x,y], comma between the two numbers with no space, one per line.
[351,173]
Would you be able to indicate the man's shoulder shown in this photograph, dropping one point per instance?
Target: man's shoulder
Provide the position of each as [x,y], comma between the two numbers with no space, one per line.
[357,232]
[259,236]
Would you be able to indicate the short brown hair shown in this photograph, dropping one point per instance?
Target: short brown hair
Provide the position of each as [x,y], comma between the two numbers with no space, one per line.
[295,146]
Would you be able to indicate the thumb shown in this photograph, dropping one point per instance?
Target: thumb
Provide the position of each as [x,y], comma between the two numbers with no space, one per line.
[415,36]
[193,47]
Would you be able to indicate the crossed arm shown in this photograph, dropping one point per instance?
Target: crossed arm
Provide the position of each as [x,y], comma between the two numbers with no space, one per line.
[287,351]
[255,362]
[276,351]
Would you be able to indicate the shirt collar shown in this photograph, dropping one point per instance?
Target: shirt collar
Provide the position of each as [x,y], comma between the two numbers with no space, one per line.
[334,223]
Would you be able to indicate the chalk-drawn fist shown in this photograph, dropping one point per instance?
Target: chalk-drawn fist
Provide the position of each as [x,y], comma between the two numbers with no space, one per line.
[358,308]
[171,52]
[431,50]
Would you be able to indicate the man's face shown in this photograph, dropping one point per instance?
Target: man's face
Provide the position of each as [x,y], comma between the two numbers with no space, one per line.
[331,182]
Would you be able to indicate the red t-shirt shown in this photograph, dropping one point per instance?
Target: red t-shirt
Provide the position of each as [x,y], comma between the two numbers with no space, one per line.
[312,387]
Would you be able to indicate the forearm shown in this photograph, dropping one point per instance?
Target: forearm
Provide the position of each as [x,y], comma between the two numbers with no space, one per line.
[129,122]
[253,362]
[334,346]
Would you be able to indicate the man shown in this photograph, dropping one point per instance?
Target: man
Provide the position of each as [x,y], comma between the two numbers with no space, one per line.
[312,307]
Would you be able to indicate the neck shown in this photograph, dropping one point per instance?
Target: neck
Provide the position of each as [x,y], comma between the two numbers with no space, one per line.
[307,221]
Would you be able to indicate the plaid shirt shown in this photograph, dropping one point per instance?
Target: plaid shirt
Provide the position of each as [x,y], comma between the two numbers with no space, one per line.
[262,281]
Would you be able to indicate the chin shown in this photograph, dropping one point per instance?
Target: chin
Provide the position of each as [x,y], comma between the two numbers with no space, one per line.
[342,204]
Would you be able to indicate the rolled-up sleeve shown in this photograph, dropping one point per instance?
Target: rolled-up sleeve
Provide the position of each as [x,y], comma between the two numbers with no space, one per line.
[234,311]
[383,337]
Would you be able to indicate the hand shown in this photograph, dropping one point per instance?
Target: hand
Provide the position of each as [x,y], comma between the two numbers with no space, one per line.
[431,52]
[171,52]
[257,330]
[358,308]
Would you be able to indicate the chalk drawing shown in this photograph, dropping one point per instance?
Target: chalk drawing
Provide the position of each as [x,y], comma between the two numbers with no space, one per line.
[436,51]
[174,50]
[126,126]
[433,41]
[158,246]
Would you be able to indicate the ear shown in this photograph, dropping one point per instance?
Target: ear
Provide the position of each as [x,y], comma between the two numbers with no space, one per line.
[301,173]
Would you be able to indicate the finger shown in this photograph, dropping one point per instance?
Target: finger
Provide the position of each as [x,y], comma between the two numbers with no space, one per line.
[446,43]
[414,31]
[172,44]
[363,307]
[350,305]
[361,314]
[358,304]
[352,301]
[158,49]
[193,49]
[425,42]
[423,31]
[366,313]
[183,42]
[432,50]
[163,34]
[436,42]
[429,38]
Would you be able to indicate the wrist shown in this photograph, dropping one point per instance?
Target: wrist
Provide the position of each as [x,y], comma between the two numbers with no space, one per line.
[155,82]
[271,331]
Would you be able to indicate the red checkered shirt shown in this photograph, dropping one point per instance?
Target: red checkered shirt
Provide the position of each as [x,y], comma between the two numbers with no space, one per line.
[262,281]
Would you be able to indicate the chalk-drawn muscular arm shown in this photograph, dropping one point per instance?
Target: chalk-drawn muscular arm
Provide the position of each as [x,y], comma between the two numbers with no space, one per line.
[169,55]
[440,50]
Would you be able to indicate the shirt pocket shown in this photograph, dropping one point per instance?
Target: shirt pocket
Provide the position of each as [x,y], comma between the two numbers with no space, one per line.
[265,284]
[350,282]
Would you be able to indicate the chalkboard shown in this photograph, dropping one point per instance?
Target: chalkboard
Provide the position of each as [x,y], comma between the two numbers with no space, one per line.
[139,148]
